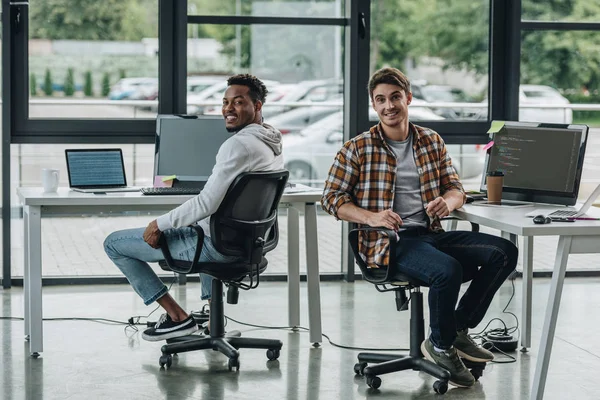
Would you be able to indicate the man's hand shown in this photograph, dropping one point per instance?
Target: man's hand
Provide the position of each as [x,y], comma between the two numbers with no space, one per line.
[438,208]
[152,234]
[386,218]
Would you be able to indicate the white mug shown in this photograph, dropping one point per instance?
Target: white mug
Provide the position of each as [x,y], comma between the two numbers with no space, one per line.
[50,180]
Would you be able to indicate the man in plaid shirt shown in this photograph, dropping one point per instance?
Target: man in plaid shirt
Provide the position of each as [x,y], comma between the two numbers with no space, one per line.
[399,176]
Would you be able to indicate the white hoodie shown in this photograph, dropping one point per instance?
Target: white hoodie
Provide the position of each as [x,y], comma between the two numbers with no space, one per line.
[254,148]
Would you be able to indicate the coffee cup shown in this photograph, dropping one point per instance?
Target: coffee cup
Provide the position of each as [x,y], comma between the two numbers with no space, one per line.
[50,180]
[495,181]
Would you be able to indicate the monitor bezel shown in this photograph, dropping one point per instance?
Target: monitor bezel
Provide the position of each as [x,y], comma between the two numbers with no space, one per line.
[535,195]
[71,185]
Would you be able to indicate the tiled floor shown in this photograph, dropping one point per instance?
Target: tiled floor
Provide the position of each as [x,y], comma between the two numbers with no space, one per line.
[87,360]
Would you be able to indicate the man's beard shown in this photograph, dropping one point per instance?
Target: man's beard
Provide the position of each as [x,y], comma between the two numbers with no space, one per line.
[233,130]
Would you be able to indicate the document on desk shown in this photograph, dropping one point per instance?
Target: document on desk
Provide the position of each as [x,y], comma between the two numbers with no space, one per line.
[503,203]
[291,188]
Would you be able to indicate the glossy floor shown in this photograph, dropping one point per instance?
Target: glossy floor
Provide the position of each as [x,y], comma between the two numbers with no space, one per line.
[88,360]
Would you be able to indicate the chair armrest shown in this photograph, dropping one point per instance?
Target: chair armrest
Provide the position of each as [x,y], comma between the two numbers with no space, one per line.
[173,264]
[474,226]
[353,239]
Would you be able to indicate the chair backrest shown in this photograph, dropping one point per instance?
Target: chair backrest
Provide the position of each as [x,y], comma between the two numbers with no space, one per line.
[245,224]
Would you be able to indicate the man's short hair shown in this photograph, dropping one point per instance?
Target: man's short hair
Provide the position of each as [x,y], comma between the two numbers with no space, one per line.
[258,90]
[392,76]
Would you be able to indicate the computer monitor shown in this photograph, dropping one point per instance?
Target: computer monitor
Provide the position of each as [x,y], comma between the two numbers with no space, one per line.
[187,146]
[542,163]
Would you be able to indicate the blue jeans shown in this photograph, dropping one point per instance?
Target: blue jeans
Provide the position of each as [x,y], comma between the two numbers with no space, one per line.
[131,255]
[444,261]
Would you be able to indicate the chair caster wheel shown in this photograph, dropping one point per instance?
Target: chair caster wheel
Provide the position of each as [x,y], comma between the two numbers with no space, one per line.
[373,381]
[272,354]
[233,363]
[359,368]
[165,359]
[35,354]
[440,387]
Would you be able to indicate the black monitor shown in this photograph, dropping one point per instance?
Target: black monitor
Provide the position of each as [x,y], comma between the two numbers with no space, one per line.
[542,163]
[187,146]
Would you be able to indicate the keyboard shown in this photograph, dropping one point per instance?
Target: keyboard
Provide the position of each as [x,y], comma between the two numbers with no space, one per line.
[155,191]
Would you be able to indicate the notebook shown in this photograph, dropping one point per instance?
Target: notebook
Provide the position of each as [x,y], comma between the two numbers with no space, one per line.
[567,212]
[97,171]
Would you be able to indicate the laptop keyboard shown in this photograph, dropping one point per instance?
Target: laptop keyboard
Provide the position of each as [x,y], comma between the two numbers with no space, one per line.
[152,191]
[563,213]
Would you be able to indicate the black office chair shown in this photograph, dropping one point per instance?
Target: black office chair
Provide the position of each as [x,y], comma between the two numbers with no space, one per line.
[245,225]
[399,284]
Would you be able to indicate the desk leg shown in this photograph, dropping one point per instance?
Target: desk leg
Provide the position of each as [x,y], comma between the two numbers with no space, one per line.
[293,267]
[34,263]
[312,273]
[556,286]
[527,287]
[26,317]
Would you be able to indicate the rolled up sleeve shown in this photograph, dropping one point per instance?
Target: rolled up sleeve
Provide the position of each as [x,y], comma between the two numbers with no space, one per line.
[341,180]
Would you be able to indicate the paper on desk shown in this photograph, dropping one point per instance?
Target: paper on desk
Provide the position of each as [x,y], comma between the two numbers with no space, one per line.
[496,126]
[299,188]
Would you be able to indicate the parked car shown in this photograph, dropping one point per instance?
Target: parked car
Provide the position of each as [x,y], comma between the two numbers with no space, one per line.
[295,120]
[309,154]
[449,94]
[213,95]
[312,91]
[541,94]
[133,89]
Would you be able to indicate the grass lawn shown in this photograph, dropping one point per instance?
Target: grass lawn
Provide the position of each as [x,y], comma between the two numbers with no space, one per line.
[593,122]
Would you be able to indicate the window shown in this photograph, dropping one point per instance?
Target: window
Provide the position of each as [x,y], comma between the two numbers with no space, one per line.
[282,8]
[90,59]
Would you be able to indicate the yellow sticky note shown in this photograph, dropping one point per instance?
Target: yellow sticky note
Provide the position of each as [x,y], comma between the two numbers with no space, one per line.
[496,126]
[169,178]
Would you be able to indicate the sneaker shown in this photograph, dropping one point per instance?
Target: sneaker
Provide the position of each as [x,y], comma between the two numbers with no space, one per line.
[468,349]
[166,328]
[449,360]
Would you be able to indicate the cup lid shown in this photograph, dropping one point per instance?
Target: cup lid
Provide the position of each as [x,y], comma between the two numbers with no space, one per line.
[495,173]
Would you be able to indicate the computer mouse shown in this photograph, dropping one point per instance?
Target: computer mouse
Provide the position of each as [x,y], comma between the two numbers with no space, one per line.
[541,219]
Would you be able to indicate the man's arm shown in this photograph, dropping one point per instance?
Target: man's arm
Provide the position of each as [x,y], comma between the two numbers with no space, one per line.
[352,213]
[442,206]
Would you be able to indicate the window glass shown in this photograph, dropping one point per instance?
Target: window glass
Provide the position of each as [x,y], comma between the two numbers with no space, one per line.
[93,59]
[445,59]
[571,10]
[558,70]
[256,8]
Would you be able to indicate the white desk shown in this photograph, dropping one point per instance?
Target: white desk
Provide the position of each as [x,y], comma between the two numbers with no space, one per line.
[574,238]
[37,205]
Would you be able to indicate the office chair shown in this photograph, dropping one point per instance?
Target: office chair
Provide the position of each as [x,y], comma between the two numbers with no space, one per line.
[245,225]
[400,284]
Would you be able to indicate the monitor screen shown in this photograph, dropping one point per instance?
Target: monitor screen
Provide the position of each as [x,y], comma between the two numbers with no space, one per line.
[542,163]
[95,167]
[187,146]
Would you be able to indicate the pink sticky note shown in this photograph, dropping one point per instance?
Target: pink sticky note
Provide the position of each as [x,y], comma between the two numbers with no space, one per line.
[158,182]
[487,146]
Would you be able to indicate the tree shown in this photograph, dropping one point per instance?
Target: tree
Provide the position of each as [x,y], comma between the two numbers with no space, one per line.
[48,89]
[69,88]
[88,86]
[94,20]
[32,85]
[105,84]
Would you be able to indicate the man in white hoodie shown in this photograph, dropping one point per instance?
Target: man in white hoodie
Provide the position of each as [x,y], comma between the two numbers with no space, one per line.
[256,146]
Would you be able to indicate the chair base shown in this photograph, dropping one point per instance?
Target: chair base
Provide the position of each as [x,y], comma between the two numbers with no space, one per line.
[218,340]
[387,363]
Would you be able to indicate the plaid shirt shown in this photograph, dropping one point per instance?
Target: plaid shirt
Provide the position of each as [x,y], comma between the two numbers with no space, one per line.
[364,173]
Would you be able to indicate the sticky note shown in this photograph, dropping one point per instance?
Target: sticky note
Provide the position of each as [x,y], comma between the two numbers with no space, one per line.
[159,181]
[168,178]
[496,126]
[488,146]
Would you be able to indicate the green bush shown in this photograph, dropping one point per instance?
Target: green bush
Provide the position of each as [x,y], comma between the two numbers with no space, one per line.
[32,85]
[580,98]
[48,90]
[122,74]
[69,88]
[105,84]
[88,88]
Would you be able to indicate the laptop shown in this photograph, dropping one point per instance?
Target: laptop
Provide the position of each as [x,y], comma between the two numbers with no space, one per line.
[567,212]
[97,171]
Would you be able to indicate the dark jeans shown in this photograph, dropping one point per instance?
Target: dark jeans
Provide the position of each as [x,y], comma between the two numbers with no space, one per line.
[444,261]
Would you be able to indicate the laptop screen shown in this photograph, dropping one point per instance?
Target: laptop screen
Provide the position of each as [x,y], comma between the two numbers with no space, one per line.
[90,168]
